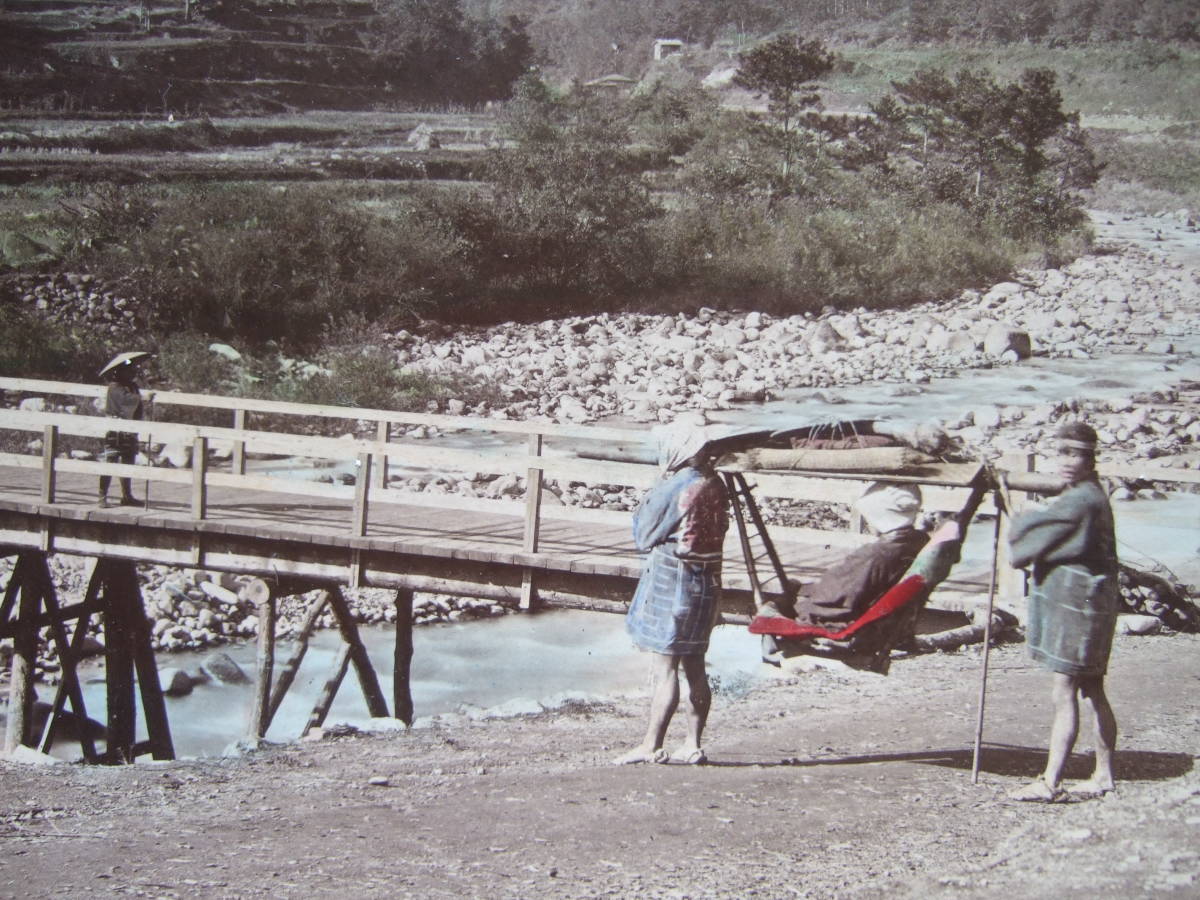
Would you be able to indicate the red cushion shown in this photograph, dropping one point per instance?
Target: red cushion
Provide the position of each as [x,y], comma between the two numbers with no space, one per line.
[896,597]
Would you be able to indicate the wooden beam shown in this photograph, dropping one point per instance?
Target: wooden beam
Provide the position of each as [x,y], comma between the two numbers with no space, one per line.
[376,704]
[288,673]
[199,471]
[383,434]
[154,705]
[260,712]
[24,660]
[237,462]
[49,456]
[118,664]
[321,708]
[402,701]
[362,496]
[533,520]
[68,658]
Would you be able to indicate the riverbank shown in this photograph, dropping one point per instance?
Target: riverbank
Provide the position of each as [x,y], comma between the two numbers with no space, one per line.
[821,785]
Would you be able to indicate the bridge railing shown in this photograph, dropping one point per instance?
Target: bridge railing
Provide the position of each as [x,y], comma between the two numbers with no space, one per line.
[547,452]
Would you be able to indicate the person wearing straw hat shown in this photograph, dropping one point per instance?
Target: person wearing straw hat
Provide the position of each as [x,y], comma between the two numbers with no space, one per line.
[123,400]
[1070,544]
[681,524]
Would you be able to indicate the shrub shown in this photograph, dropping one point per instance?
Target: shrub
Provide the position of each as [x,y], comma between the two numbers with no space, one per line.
[35,348]
[269,263]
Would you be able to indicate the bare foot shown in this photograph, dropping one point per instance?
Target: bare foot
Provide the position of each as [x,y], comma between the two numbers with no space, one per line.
[1094,787]
[691,756]
[1037,792]
[641,755]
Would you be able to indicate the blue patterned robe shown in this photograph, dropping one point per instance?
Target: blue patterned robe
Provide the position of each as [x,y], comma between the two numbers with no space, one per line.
[681,522]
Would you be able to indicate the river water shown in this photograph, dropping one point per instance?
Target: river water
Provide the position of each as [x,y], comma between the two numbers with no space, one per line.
[524,663]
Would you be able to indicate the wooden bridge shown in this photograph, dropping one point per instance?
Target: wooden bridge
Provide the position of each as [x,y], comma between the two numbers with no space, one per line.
[227,512]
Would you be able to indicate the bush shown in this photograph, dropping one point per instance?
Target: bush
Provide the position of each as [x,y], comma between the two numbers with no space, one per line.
[268,263]
[354,368]
[35,348]
[878,254]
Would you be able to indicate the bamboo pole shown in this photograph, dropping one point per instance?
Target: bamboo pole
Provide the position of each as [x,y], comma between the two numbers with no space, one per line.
[402,700]
[987,644]
[321,709]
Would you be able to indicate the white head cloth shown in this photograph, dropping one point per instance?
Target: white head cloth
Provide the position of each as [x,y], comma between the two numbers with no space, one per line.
[682,439]
[886,507]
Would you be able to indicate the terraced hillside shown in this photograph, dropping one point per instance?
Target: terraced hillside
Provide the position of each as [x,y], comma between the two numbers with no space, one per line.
[210,57]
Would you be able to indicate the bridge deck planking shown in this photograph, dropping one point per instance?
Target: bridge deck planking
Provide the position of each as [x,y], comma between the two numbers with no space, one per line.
[453,539]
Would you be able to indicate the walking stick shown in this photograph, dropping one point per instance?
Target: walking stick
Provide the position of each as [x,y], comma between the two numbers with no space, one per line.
[1001,507]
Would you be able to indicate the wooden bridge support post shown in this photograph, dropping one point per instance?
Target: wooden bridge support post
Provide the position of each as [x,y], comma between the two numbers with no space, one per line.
[24,660]
[68,657]
[128,650]
[118,666]
[533,522]
[260,712]
[376,704]
[402,701]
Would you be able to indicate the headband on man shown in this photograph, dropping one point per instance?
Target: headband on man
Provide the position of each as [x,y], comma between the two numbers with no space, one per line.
[1070,444]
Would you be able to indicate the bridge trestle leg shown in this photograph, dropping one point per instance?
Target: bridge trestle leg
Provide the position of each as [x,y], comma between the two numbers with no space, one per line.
[402,700]
[128,652]
[268,696]
[31,592]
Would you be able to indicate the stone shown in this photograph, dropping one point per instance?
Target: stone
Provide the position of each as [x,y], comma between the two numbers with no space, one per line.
[1137,624]
[225,351]
[986,417]
[177,454]
[175,682]
[1002,338]
[33,404]
[223,668]
[1067,316]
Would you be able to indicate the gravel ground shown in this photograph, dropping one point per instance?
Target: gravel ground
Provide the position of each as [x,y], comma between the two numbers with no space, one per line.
[820,785]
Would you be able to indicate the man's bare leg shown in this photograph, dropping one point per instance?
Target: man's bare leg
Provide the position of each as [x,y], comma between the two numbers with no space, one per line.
[664,700]
[1101,782]
[698,705]
[1065,693]
[1063,732]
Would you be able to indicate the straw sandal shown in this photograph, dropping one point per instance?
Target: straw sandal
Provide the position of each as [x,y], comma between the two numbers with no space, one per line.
[1038,792]
[689,756]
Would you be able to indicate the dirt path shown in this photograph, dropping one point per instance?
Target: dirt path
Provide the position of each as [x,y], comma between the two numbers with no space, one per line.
[821,785]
